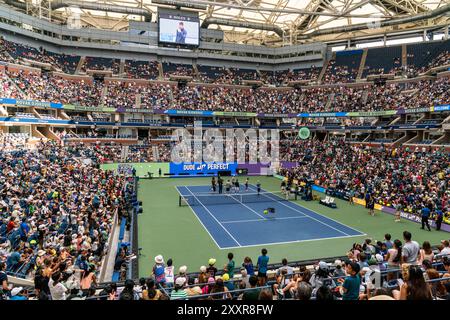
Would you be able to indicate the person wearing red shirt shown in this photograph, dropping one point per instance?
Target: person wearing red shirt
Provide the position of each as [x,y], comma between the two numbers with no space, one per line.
[11,225]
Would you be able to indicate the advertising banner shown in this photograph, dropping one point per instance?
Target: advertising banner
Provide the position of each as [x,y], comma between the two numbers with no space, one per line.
[203,168]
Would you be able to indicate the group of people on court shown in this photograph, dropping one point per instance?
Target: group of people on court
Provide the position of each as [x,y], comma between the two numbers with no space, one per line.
[231,185]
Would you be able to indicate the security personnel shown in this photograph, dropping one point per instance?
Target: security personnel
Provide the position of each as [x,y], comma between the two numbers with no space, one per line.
[425,216]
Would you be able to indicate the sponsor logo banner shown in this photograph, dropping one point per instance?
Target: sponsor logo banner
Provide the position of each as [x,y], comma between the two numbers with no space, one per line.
[205,168]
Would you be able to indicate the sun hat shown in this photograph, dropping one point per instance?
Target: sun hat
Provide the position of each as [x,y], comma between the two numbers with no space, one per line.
[182,269]
[225,277]
[211,280]
[159,259]
[202,269]
[211,261]
[41,253]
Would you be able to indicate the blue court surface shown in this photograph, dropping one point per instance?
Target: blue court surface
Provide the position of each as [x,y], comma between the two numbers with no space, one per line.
[237,223]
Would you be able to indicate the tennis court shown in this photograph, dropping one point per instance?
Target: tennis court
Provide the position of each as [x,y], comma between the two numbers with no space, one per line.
[237,220]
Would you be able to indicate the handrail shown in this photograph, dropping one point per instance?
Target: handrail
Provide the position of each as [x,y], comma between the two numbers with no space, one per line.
[222,293]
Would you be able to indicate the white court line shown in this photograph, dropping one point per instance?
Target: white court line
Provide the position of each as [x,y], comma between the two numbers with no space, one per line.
[256,220]
[273,243]
[296,203]
[240,202]
[294,241]
[231,195]
[187,188]
[198,218]
[326,224]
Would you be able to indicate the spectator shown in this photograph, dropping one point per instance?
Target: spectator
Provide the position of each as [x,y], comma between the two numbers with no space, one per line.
[263,261]
[414,287]
[211,270]
[218,288]
[192,289]
[18,293]
[426,253]
[248,265]
[324,293]
[410,250]
[57,290]
[229,267]
[4,287]
[351,284]
[179,292]
[151,293]
[265,295]
[253,293]
[285,266]
[169,273]
[159,270]
[387,241]
[304,291]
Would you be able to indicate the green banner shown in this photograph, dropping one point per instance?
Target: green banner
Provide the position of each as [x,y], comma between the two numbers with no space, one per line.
[234,114]
[84,108]
[372,113]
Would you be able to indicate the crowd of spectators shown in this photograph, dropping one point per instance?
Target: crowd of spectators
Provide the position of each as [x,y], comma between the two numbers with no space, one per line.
[148,70]
[398,269]
[13,52]
[410,178]
[339,73]
[393,96]
[131,94]
[57,211]
[443,59]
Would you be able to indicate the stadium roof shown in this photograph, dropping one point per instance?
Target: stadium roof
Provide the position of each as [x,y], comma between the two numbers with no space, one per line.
[280,21]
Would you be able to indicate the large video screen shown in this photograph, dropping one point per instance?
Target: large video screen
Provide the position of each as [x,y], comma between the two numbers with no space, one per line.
[179,29]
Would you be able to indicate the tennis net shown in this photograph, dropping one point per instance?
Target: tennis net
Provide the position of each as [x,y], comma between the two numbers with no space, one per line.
[233,198]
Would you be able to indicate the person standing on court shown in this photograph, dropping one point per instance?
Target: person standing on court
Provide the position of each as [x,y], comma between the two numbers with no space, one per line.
[220,183]
[439,218]
[425,212]
[213,184]
[258,187]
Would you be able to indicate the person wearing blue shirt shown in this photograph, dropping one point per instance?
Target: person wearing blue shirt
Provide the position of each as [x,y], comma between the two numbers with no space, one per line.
[18,294]
[263,261]
[425,216]
[24,229]
[387,241]
[181,33]
[13,261]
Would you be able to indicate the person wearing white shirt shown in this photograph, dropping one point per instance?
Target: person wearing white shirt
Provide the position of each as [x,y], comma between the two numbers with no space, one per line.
[57,290]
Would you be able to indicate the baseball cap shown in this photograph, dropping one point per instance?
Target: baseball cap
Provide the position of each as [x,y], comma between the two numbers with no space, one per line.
[16,291]
[180,281]
[323,265]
